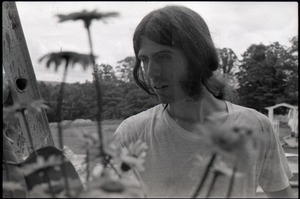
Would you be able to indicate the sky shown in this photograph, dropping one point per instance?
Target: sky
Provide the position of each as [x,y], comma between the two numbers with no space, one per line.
[234,25]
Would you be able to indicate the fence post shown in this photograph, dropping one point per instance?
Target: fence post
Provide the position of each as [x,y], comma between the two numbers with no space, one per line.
[20,75]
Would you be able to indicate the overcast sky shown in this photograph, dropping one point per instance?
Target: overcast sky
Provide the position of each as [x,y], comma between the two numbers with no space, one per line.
[234,25]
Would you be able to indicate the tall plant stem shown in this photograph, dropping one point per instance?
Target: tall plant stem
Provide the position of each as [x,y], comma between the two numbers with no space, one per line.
[98,93]
[59,105]
[231,181]
[199,187]
[140,181]
[87,166]
[216,175]
[59,128]
[114,168]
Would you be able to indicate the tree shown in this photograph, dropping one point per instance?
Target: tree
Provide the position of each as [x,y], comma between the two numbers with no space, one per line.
[228,64]
[135,100]
[291,69]
[106,73]
[125,69]
[228,61]
[262,81]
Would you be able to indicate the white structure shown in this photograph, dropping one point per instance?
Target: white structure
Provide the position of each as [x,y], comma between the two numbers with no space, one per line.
[293,123]
[293,113]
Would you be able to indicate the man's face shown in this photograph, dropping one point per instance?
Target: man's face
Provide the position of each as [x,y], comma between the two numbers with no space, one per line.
[166,67]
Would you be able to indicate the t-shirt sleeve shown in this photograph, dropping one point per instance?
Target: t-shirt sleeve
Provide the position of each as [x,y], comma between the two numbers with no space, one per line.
[120,135]
[275,173]
[125,133]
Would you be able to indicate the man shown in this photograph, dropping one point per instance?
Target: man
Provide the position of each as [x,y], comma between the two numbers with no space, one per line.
[176,60]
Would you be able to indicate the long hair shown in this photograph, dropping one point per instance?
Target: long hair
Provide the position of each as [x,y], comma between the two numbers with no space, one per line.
[183,28]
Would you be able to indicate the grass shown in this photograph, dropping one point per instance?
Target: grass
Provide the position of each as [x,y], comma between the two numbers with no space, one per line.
[73,142]
[108,128]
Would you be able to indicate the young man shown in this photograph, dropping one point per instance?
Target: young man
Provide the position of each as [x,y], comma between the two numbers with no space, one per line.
[175,60]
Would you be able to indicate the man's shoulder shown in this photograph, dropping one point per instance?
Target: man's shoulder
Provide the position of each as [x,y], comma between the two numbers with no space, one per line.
[135,127]
[249,114]
[144,117]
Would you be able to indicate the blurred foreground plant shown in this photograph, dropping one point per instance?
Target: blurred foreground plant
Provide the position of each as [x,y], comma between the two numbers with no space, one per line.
[108,164]
[234,144]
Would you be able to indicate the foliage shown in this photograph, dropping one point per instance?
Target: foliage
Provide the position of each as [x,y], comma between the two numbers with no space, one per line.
[121,97]
[228,64]
[291,69]
[125,69]
[110,180]
[267,76]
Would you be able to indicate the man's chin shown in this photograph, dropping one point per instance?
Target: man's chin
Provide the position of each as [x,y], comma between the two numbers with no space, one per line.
[165,100]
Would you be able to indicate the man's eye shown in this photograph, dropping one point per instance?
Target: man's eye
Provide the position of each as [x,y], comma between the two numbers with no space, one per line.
[163,56]
[144,61]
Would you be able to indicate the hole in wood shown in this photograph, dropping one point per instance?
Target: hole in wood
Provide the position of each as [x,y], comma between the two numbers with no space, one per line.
[22,84]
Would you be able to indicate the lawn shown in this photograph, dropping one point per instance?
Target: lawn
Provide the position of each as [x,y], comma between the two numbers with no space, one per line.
[73,142]
[108,128]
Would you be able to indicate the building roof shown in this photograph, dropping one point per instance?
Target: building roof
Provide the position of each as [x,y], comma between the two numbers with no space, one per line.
[282,104]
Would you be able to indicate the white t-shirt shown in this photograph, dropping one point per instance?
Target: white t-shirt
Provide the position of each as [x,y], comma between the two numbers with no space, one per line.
[176,158]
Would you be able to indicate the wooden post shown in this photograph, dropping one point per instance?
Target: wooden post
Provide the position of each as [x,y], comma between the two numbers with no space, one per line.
[20,75]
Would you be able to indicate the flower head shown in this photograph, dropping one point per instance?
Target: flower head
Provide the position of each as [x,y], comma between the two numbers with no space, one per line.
[86,16]
[12,112]
[69,57]
[237,141]
[230,139]
[133,157]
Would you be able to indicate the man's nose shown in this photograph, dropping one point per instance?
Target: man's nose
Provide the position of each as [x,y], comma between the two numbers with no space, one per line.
[153,70]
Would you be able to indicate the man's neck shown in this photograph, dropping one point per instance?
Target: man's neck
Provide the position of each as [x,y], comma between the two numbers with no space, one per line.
[197,111]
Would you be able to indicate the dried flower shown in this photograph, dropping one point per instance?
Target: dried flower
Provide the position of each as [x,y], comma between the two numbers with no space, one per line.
[69,57]
[86,16]
[233,141]
[134,156]
[10,113]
